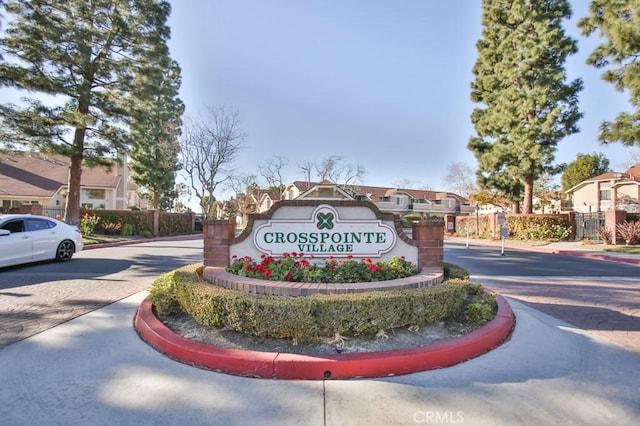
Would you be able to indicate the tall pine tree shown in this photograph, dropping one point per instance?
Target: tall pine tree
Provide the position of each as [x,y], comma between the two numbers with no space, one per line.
[527,106]
[618,22]
[155,130]
[77,61]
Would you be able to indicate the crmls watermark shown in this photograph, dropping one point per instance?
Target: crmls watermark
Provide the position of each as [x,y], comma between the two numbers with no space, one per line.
[438,417]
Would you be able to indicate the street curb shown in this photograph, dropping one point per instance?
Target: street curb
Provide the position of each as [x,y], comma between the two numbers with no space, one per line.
[543,249]
[288,366]
[596,256]
[138,241]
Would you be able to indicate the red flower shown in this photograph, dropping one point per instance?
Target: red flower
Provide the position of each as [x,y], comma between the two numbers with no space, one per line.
[350,256]
[248,267]
[267,273]
[289,276]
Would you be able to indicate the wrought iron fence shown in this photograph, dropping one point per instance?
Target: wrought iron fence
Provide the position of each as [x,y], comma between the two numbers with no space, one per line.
[588,224]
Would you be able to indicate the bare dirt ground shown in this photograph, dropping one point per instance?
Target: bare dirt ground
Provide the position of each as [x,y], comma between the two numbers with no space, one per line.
[409,337]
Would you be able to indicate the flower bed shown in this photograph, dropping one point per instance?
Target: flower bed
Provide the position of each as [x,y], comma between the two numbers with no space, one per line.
[295,267]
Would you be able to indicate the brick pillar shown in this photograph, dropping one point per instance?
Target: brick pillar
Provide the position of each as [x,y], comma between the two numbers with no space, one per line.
[30,209]
[571,217]
[611,219]
[450,221]
[217,238]
[429,236]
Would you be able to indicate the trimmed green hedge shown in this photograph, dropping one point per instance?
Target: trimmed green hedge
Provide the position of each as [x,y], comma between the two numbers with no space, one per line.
[310,318]
[538,227]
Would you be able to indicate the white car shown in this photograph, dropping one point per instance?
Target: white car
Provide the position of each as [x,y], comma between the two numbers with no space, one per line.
[28,238]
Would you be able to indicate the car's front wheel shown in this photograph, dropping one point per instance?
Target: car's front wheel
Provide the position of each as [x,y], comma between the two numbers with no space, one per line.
[65,251]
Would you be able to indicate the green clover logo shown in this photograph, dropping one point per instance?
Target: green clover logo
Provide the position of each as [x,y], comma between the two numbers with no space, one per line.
[325,221]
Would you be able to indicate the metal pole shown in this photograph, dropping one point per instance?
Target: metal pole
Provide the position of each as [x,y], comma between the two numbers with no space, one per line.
[467,236]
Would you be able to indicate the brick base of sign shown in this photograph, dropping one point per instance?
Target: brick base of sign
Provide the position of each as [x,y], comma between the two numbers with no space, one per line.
[219,277]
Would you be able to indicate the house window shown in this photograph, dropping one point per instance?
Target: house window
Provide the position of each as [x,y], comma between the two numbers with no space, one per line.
[94,194]
[605,194]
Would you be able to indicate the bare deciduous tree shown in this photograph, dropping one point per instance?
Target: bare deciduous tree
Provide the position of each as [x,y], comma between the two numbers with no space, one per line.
[208,146]
[272,172]
[306,168]
[634,157]
[332,169]
[405,184]
[461,179]
[329,169]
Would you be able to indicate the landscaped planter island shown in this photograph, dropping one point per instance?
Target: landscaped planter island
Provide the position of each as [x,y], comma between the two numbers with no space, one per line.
[308,311]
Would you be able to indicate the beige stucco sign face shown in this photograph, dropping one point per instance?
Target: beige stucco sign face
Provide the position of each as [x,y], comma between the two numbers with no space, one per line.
[324,235]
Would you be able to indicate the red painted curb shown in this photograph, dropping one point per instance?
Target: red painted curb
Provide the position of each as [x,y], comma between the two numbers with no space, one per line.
[275,365]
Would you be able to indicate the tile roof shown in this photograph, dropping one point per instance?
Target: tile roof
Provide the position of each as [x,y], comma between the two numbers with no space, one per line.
[376,193]
[36,175]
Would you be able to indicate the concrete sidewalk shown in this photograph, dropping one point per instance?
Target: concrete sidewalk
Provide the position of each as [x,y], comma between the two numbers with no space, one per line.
[96,370]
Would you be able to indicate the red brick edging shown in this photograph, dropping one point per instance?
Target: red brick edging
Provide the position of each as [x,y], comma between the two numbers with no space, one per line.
[277,365]
[219,277]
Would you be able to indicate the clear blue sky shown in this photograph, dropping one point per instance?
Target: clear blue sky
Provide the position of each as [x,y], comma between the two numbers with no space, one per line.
[382,84]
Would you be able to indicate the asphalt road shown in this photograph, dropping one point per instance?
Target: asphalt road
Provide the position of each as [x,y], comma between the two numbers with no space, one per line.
[596,296]
[96,370]
[36,297]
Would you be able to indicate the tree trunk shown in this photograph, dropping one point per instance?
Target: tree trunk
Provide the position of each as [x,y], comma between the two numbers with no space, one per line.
[72,204]
[515,207]
[528,195]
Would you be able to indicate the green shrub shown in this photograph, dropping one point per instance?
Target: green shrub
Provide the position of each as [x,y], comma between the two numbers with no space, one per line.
[538,227]
[452,271]
[163,293]
[128,229]
[408,219]
[88,224]
[479,306]
[479,226]
[311,318]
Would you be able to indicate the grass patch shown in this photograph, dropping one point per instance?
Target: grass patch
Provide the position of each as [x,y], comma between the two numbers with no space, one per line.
[623,249]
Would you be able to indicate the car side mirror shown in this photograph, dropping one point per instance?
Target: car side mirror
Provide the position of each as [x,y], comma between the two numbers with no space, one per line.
[4,232]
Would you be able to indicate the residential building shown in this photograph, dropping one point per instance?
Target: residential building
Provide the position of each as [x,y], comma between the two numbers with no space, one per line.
[608,191]
[34,178]
[390,200]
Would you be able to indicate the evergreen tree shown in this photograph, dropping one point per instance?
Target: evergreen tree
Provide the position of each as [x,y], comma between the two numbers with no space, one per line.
[618,22]
[155,130]
[584,167]
[77,61]
[527,106]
